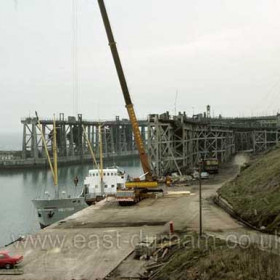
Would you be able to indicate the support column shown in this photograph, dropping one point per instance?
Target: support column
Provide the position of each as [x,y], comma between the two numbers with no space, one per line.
[34,144]
[71,140]
[24,142]
[112,140]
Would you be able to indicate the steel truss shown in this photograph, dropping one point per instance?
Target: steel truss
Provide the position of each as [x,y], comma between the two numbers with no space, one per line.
[117,137]
[178,144]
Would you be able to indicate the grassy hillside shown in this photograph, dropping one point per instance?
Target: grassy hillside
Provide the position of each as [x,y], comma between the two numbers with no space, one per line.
[214,260]
[255,193]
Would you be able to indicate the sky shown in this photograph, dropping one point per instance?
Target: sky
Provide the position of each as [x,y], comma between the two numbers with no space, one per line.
[177,55]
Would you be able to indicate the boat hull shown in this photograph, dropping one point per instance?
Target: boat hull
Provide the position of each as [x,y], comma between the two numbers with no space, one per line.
[50,211]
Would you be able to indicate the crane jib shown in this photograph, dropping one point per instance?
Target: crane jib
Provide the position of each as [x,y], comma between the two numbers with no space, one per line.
[115,54]
[135,127]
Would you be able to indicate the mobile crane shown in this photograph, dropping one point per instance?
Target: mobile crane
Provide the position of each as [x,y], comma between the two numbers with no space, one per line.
[136,189]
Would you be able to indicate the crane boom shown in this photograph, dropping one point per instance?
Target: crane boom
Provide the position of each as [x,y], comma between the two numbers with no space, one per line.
[129,106]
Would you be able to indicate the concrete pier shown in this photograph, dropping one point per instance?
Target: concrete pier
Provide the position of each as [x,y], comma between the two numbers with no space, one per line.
[97,241]
[92,243]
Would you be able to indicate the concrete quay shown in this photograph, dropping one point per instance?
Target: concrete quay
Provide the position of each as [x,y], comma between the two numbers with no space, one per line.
[92,243]
[95,241]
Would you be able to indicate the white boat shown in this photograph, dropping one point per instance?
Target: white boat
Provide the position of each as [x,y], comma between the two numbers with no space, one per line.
[54,209]
[97,188]
[100,182]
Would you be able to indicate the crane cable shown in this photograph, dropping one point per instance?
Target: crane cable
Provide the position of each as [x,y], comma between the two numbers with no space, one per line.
[75,69]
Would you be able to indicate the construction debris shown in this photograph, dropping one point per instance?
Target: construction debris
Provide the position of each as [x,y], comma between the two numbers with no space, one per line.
[157,253]
[177,193]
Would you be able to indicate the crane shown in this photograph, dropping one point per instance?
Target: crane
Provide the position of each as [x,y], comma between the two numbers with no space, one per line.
[136,189]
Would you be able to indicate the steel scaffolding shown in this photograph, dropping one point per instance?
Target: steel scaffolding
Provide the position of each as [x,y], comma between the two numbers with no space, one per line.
[177,144]
[117,137]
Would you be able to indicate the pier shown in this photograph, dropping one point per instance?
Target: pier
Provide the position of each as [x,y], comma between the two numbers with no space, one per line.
[174,143]
[177,143]
[117,138]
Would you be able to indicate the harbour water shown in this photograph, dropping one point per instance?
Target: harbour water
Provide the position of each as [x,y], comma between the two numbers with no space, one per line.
[19,187]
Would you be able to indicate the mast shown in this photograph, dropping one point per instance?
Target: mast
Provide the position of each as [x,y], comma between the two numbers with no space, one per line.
[55,159]
[45,146]
[101,159]
[90,148]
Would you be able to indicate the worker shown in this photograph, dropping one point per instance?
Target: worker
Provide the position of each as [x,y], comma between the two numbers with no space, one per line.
[76,181]
[168,181]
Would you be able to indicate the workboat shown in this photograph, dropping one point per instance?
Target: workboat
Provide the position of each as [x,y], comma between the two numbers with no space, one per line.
[101,183]
[53,209]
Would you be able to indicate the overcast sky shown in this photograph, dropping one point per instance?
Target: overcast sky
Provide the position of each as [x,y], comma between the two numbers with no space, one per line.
[225,53]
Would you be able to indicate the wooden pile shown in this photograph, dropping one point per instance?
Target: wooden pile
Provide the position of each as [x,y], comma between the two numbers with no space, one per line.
[160,255]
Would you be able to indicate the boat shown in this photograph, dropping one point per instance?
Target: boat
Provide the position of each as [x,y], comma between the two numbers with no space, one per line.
[96,189]
[101,183]
[53,209]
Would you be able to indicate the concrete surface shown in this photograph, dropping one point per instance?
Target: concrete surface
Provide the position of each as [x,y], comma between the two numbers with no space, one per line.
[92,243]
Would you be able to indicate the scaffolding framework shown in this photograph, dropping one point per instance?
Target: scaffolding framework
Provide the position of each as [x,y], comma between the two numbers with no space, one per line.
[258,140]
[117,137]
[174,144]
[177,145]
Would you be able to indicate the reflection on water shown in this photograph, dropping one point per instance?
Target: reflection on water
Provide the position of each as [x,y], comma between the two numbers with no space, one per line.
[19,187]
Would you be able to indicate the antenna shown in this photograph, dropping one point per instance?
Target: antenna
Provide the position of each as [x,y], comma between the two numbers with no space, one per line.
[175,103]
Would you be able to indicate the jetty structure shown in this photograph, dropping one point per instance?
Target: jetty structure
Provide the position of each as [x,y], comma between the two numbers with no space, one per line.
[72,145]
[173,142]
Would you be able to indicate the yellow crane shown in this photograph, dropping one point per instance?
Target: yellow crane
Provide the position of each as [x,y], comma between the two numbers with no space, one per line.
[136,189]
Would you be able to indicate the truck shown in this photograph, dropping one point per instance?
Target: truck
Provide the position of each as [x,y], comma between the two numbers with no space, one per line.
[210,165]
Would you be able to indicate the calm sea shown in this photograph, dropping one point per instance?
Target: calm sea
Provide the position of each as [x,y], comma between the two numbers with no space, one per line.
[19,187]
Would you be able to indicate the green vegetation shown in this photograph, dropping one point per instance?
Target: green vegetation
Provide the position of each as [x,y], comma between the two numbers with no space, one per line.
[216,260]
[255,197]
[255,193]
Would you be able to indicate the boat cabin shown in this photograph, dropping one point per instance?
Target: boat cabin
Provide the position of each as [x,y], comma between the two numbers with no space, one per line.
[113,179]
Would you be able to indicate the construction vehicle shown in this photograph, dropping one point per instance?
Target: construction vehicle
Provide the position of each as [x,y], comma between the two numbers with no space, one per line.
[137,188]
[210,165]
